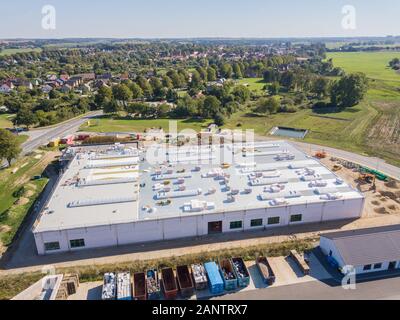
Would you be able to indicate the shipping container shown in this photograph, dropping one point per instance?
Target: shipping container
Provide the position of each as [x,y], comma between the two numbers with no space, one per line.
[153,284]
[266,271]
[185,281]
[124,291]
[169,284]
[241,272]
[228,275]
[214,277]
[139,286]
[300,261]
[109,290]
[199,276]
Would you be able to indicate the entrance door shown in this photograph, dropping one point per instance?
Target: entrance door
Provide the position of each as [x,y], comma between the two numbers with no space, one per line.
[392,265]
[214,227]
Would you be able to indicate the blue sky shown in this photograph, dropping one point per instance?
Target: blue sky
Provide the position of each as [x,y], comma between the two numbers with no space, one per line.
[200,18]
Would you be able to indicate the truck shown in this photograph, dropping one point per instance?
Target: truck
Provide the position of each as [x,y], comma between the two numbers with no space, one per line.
[216,284]
[169,284]
[241,272]
[265,270]
[139,286]
[228,274]
[153,284]
[124,286]
[109,290]
[199,276]
[185,281]
[300,261]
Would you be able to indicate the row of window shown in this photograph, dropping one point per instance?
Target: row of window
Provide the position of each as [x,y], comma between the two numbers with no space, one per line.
[76,243]
[370,266]
[259,222]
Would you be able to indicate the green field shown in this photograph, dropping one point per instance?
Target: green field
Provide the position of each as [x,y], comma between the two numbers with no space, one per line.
[109,124]
[373,64]
[254,84]
[5,120]
[13,51]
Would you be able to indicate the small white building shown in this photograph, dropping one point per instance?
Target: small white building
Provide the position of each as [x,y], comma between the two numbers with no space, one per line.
[367,250]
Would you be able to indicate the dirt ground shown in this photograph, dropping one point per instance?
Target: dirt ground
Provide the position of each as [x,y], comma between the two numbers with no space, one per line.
[385,200]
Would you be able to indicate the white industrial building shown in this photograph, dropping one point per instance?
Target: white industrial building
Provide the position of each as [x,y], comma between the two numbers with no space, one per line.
[366,250]
[116,195]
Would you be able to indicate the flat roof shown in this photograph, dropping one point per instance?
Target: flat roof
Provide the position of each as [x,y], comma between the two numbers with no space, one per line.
[110,185]
[367,246]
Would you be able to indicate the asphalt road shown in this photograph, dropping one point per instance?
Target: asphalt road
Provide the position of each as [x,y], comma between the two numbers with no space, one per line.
[316,290]
[45,135]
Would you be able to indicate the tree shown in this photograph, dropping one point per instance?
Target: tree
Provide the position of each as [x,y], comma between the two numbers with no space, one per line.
[226,70]
[241,94]
[9,146]
[271,75]
[211,74]
[103,94]
[268,105]
[196,79]
[219,119]
[136,90]
[121,92]
[274,88]
[111,106]
[25,117]
[320,87]
[210,107]
[349,90]
[237,71]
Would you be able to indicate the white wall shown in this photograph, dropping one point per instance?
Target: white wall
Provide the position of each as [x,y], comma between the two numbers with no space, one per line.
[196,225]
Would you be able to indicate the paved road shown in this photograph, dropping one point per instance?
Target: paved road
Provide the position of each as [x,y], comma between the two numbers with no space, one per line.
[317,290]
[43,136]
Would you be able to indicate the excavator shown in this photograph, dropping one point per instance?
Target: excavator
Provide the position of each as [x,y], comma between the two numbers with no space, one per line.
[320,154]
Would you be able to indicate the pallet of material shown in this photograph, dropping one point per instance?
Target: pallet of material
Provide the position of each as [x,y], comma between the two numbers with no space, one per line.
[169,284]
[228,274]
[185,281]
[124,286]
[300,261]
[153,284]
[199,276]
[109,291]
[241,272]
[265,270]
[139,286]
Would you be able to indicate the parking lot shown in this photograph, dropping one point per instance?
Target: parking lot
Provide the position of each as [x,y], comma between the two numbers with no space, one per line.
[286,273]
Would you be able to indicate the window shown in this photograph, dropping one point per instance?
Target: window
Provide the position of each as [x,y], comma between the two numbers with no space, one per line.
[296,217]
[377,265]
[51,246]
[367,267]
[256,222]
[236,225]
[273,220]
[77,243]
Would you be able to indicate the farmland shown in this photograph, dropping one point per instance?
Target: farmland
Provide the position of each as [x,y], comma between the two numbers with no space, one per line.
[13,51]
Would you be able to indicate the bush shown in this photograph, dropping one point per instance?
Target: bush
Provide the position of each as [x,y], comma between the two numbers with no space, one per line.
[19,193]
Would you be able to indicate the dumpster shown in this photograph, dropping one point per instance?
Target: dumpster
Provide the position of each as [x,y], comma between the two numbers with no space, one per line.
[153,284]
[228,275]
[199,276]
[139,286]
[109,291]
[185,281]
[241,272]
[216,284]
[266,271]
[169,284]
[124,286]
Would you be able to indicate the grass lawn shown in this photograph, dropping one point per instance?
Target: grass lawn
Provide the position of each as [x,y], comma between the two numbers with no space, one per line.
[13,208]
[5,120]
[254,84]
[109,124]
[13,51]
